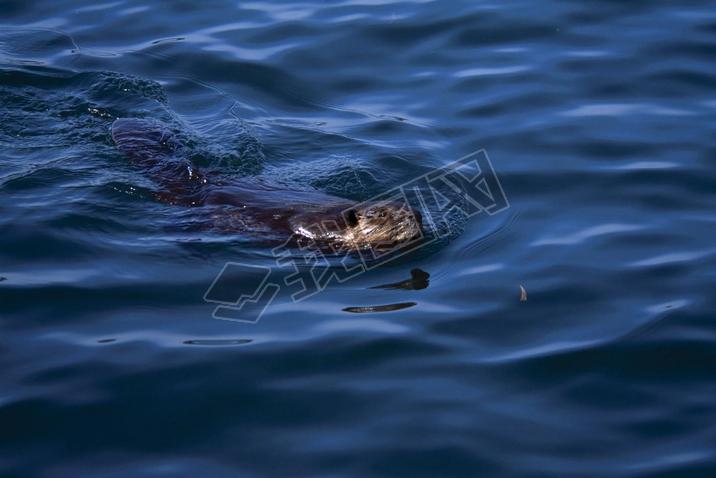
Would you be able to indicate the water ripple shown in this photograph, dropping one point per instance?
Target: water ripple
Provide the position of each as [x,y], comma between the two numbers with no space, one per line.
[586,234]
[598,118]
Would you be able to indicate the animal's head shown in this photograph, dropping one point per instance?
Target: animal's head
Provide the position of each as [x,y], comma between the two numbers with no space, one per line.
[379,226]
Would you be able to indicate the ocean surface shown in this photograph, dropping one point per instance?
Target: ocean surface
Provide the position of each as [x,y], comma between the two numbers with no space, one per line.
[599,119]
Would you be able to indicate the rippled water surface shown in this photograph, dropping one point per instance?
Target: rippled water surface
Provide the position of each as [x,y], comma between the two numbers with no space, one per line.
[600,121]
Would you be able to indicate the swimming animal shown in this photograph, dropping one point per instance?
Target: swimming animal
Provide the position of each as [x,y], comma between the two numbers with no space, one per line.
[257,207]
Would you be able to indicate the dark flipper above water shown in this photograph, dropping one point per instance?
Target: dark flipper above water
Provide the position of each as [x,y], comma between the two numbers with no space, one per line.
[419,279]
[150,145]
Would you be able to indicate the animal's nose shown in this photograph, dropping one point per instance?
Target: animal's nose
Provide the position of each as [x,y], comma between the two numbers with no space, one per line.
[352,218]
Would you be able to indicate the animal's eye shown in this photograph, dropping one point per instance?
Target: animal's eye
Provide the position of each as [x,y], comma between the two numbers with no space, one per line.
[352,218]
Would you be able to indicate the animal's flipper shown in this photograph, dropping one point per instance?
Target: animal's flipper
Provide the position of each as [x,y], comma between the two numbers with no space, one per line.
[152,146]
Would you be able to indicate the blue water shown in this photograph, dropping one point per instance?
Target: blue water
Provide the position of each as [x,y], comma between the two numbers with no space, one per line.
[600,121]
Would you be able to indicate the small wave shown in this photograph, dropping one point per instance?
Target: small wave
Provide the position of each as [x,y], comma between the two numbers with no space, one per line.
[586,234]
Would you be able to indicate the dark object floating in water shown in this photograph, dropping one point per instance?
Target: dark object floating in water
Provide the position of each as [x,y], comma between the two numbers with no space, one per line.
[260,208]
[379,308]
[106,341]
[419,280]
[3,278]
[218,342]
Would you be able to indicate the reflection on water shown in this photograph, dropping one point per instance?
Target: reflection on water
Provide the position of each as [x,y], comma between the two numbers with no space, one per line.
[379,308]
[218,342]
